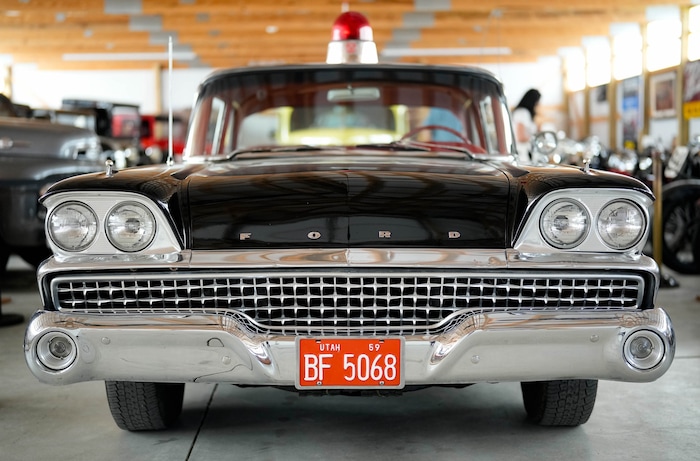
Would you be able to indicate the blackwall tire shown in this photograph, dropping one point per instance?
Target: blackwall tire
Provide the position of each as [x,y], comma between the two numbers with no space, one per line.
[559,403]
[137,406]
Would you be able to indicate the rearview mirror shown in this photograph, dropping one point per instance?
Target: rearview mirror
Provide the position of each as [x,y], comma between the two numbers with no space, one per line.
[353,94]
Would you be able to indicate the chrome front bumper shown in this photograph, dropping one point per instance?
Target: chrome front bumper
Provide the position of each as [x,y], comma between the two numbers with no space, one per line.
[483,348]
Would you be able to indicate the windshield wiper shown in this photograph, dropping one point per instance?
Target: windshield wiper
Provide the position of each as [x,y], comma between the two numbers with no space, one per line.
[418,146]
[274,150]
[432,146]
[395,145]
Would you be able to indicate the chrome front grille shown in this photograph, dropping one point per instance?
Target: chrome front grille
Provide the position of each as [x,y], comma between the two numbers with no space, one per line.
[296,303]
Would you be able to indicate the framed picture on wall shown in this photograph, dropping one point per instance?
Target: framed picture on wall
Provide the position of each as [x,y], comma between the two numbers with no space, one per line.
[629,108]
[662,95]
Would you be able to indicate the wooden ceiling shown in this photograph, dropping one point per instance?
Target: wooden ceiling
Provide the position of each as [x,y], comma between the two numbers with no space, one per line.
[129,34]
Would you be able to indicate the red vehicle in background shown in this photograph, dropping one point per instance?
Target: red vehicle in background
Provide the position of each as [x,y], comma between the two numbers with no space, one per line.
[154,136]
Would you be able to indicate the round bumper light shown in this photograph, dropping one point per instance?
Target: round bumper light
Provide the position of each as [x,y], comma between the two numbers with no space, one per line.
[56,350]
[644,349]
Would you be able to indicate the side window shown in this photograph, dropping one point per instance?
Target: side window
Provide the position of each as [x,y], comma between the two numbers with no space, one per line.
[496,125]
[213,125]
[216,134]
[489,123]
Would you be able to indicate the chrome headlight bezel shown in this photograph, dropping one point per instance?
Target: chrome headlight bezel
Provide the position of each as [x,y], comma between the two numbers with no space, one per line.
[163,244]
[90,225]
[531,241]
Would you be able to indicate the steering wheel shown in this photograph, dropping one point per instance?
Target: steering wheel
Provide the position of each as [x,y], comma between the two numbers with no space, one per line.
[418,129]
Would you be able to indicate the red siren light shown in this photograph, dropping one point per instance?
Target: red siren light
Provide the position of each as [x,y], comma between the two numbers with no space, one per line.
[351,40]
[351,26]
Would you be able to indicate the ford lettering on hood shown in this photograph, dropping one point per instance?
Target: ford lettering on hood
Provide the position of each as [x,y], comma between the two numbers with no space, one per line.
[317,205]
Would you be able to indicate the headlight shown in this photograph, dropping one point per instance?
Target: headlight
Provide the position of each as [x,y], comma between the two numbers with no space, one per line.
[72,226]
[621,224]
[130,227]
[564,223]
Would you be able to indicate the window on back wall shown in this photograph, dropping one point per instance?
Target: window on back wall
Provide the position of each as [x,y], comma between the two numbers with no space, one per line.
[627,54]
[663,44]
[598,62]
[575,69]
[694,33]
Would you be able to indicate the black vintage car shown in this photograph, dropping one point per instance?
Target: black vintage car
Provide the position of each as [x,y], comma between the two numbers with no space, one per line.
[305,244]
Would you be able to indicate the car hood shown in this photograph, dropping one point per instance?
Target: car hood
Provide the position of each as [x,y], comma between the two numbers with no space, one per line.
[326,204]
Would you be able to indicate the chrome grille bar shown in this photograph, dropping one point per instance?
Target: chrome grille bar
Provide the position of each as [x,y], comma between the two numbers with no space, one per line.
[365,302]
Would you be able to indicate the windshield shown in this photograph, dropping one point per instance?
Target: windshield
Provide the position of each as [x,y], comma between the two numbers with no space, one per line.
[350,106]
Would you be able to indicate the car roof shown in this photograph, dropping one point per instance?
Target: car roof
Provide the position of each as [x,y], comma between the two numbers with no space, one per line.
[476,71]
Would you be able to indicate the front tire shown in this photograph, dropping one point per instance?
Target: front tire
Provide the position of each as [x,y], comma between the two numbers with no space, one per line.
[139,406]
[559,403]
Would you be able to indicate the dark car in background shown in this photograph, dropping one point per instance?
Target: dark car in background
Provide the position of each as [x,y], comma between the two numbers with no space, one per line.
[33,155]
[117,124]
[321,264]
[12,109]
[122,152]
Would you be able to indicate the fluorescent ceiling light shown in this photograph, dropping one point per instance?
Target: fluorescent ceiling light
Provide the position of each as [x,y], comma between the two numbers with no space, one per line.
[148,23]
[432,5]
[178,56]
[471,51]
[418,19]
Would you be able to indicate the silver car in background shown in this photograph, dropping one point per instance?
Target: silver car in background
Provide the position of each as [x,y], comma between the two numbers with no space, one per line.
[33,155]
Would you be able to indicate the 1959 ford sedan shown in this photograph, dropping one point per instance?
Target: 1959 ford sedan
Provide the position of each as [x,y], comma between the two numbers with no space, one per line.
[338,267]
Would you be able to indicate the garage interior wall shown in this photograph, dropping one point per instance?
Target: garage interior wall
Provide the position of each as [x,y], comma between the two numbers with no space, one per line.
[46,88]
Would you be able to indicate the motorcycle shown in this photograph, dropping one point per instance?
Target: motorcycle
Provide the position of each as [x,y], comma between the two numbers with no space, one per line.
[681,209]
[569,151]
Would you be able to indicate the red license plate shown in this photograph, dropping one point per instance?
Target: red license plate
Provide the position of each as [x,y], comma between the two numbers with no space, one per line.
[368,363]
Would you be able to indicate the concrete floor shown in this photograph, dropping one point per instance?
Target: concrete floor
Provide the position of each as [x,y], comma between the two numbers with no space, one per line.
[653,421]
